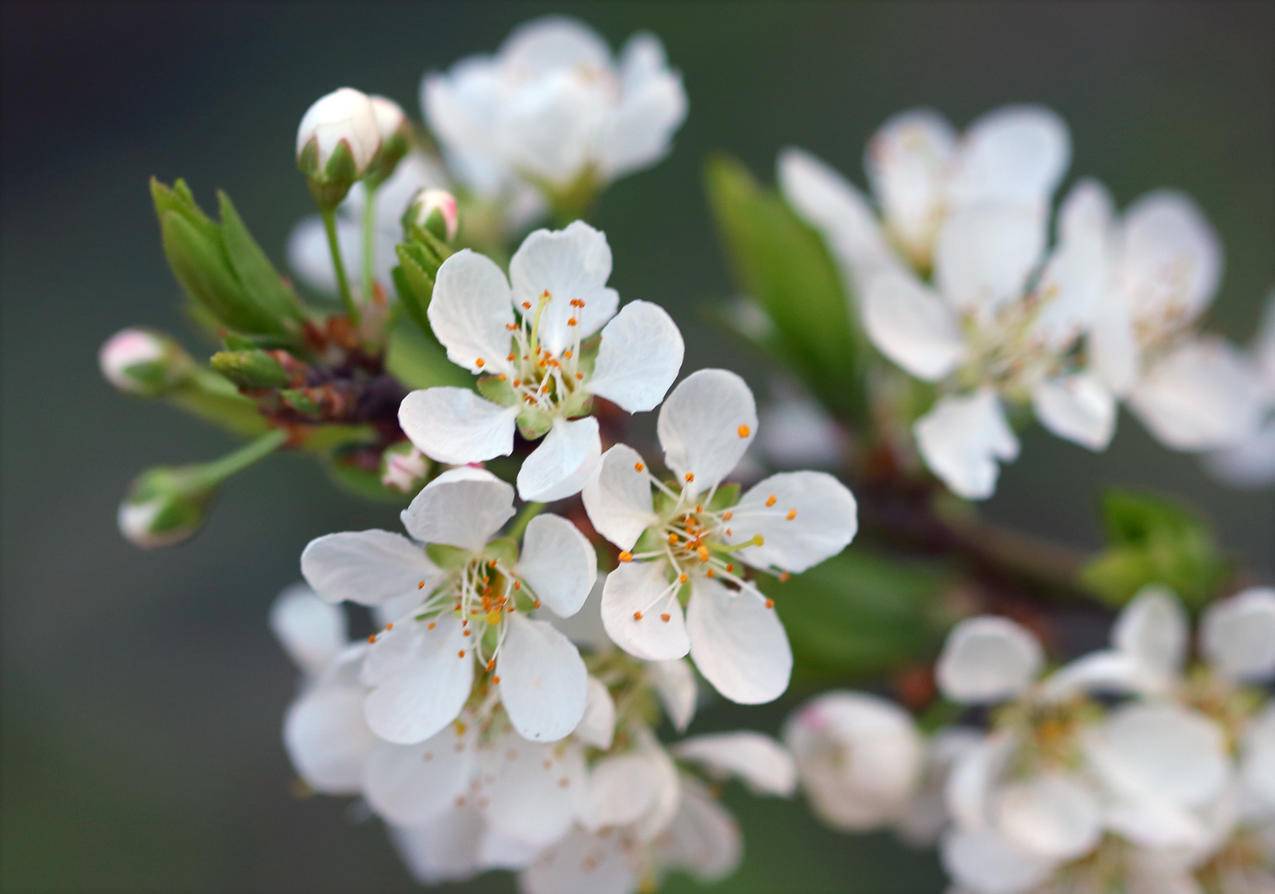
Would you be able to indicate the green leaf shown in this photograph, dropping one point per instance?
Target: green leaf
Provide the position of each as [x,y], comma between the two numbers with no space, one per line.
[261,283]
[782,263]
[199,265]
[861,613]
[1154,540]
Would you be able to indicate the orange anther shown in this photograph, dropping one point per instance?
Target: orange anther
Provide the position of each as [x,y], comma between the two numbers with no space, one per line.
[495,680]
[431,625]
[420,585]
[771,501]
[389,626]
[639,467]
[728,515]
[480,363]
[491,665]
[536,604]
[744,431]
[460,654]
[790,514]
[626,556]
[580,375]
[571,321]
[770,603]
[665,616]
[672,540]
[372,638]
[784,577]
[526,305]
[689,476]
[637,616]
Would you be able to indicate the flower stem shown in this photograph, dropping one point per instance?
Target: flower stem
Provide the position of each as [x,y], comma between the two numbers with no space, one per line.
[369,241]
[528,512]
[236,461]
[342,281]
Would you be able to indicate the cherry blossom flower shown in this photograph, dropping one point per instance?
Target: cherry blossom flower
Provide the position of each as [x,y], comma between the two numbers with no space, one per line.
[530,344]
[474,607]
[1250,463]
[860,758]
[690,542]
[554,107]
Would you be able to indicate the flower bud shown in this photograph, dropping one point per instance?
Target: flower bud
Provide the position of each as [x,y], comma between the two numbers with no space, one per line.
[337,141]
[253,368]
[434,210]
[395,132]
[164,507]
[404,468]
[142,362]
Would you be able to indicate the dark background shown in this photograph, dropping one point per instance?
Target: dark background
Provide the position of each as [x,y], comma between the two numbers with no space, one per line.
[142,693]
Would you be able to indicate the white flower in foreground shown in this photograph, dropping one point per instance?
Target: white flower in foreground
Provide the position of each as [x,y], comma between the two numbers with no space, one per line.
[1251,462]
[1163,264]
[553,107]
[689,544]
[473,609]
[921,172]
[859,756]
[1001,325]
[539,374]
[324,732]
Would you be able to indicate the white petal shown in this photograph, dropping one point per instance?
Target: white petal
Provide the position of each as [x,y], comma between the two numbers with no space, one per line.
[760,761]
[469,312]
[618,497]
[582,863]
[975,776]
[1050,815]
[310,630]
[1202,395]
[1170,258]
[674,683]
[367,567]
[462,507]
[1076,280]
[962,438]
[444,849]
[543,683]
[702,838]
[562,463]
[639,357]
[1115,353]
[327,740]
[1014,155]
[832,205]
[455,425]
[537,793]
[411,784]
[985,255]
[986,863]
[912,326]
[1077,407]
[988,659]
[705,427]
[1258,757]
[907,161]
[1159,751]
[573,263]
[1237,635]
[824,520]
[597,727]
[558,562]
[738,644]
[620,790]
[1153,630]
[637,587]
[1150,822]
[584,628]
[421,683]
[652,106]
[1105,671]
[549,43]
[1249,464]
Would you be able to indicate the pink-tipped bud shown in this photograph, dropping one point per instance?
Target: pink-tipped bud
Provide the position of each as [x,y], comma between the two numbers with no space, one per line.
[142,362]
[337,141]
[404,468]
[435,210]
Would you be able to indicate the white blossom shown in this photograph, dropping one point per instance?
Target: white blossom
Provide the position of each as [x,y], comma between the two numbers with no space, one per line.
[343,119]
[1250,463]
[553,106]
[688,543]
[527,336]
[473,610]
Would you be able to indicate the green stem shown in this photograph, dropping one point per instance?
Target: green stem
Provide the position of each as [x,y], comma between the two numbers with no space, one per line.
[219,470]
[528,512]
[369,234]
[342,281]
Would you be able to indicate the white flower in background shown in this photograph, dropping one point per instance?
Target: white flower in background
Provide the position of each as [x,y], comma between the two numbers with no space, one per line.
[324,732]
[926,816]
[690,543]
[474,609]
[343,121]
[528,342]
[1162,267]
[644,818]
[921,172]
[553,107]
[1251,462]
[1000,325]
[797,432]
[860,758]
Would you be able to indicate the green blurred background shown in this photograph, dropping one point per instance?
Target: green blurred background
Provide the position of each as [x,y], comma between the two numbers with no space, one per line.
[142,693]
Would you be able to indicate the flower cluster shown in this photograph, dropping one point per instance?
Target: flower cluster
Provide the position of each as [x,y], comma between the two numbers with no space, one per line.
[958,285]
[1126,769]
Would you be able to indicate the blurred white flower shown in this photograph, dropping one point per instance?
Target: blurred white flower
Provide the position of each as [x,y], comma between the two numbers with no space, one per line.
[473,609]
[528,341]
[689,537]
[860,758]
[1251,462]
[553,106]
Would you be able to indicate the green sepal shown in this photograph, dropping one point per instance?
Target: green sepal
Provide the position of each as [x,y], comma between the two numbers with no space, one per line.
[447,557]
[259,280]
[251,369]
[497,390]
[301,401]
[726,496]
[502,549]
[534,423]
[361,482]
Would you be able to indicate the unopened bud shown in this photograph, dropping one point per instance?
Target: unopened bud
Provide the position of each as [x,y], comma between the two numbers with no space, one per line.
[251,369]
[395,132]
[142,362]
[337,141]
[435,211]
[404,468]
[164,506]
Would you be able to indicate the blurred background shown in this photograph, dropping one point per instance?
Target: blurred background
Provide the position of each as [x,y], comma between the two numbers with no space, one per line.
[142,692]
